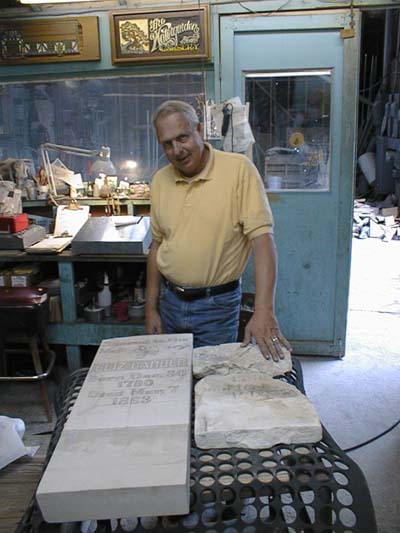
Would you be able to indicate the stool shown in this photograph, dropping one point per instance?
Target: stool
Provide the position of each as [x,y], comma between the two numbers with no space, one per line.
[24,312]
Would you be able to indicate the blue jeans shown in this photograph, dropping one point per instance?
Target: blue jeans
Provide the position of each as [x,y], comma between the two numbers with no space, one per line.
[212,320]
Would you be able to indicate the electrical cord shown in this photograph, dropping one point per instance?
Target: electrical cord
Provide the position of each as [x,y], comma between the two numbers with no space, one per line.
[352,448]
[267,14]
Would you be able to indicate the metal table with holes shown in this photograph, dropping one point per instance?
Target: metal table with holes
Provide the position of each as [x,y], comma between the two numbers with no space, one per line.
[308,488]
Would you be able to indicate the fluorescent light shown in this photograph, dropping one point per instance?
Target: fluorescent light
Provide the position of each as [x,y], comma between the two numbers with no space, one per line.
[51,1]
[278,73]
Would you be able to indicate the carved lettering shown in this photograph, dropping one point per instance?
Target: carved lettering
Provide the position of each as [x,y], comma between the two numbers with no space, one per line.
[166,37]
[151,364]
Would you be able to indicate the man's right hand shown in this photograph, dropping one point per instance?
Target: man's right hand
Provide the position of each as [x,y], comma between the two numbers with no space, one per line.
[153,322]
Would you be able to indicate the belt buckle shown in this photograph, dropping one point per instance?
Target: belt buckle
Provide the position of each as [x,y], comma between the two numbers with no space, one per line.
[180,289]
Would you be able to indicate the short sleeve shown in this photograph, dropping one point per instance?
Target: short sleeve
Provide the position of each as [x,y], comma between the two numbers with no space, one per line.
[254,210]
[154,223]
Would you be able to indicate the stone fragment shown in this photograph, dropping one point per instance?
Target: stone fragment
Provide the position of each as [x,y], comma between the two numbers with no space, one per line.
[124,450]
[250,410]
[225,358]
[376,230]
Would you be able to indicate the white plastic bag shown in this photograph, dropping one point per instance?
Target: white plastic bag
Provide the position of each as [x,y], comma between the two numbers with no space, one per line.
[11,446]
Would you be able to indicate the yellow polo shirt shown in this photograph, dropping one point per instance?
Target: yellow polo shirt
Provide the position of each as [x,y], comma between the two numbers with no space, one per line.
[204,225]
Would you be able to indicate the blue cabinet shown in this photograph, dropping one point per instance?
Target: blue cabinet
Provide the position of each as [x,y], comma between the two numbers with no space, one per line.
[74,332]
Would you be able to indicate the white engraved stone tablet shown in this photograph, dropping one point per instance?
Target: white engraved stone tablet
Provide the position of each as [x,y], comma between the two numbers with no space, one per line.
[125,448]
[226,358]
[250,410]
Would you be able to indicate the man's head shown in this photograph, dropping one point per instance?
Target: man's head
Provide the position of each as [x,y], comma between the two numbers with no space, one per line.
[179,133]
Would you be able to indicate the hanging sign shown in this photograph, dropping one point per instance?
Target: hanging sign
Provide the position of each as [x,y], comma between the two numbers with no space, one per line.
[49,40]
[171,34]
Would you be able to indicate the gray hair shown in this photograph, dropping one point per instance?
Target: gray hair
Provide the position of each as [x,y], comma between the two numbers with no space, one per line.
[176,106]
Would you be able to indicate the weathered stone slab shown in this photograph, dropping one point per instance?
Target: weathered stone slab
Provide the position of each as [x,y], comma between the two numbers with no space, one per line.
[250,410]
[125,448]
[226,358]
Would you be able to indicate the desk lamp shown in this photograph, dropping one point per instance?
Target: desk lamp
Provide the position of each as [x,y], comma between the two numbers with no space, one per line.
[103,162]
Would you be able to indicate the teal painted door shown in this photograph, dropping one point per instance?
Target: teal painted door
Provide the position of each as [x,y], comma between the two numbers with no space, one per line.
[313,222]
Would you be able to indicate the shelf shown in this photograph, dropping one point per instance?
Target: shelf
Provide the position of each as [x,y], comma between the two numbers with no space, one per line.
[85,200]
[88,334]
[68,256]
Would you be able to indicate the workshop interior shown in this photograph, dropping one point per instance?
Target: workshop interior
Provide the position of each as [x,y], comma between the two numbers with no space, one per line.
[104,428]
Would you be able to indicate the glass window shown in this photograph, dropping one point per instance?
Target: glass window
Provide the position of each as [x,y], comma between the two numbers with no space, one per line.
[90,113]
[290,118]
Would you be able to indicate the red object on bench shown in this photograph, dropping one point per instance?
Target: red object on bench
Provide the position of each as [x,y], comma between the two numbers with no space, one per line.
[14,223]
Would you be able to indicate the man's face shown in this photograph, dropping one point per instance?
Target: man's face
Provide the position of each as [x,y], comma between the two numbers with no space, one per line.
[183,146]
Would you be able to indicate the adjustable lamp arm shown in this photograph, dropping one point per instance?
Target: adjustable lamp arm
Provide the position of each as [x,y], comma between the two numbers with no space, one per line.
[44,151]
[69,149]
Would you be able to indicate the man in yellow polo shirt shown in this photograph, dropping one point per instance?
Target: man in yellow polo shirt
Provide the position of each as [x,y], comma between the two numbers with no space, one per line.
[208,210]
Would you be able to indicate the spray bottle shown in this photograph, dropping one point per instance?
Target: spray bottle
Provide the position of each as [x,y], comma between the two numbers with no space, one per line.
[104,297]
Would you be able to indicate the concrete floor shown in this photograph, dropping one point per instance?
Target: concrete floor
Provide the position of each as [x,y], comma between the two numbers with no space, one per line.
[358,396]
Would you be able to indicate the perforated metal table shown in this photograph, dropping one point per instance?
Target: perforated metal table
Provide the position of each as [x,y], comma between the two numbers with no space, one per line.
[308,488]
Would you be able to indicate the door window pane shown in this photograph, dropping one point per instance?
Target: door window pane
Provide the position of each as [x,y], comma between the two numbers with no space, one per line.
[90,113]
[290,119]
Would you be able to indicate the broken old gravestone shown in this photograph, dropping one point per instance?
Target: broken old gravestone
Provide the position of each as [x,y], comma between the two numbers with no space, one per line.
[226,358]
[252,410]
[124,450]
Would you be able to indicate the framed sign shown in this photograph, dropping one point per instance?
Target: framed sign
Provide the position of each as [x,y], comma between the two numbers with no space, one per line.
[49,40]
[170,34]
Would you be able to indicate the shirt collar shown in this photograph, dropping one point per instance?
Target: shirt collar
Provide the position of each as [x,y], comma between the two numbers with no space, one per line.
[204,174]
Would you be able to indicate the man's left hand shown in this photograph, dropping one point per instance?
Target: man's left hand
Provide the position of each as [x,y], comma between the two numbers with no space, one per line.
[267,334]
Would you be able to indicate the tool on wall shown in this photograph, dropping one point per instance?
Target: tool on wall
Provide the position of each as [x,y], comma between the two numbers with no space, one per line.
[228,122]
[227,112]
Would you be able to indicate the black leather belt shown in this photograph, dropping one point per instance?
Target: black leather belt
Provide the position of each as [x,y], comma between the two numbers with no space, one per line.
[192,293]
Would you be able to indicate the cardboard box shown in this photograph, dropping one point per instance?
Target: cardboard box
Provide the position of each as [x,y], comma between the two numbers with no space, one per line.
[5,277]
[25,275]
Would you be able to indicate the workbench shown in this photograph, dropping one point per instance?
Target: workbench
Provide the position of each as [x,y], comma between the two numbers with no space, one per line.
[74,332]
[130,205]
[309,488]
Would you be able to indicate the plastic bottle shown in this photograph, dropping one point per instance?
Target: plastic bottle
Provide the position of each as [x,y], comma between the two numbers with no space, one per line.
[138,293]
[104,297]
[136,309]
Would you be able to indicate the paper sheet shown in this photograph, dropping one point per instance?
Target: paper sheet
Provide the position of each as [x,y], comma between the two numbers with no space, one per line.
[70,221]
[241,136]
[50,244]
[125,220]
